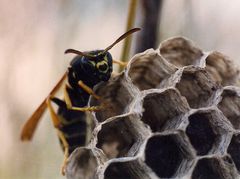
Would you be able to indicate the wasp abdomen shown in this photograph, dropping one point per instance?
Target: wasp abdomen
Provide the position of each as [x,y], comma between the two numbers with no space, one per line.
[75,135]
[74,126]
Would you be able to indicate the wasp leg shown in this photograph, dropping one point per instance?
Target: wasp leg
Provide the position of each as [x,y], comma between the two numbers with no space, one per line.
[83,109]
[123,64]
[115,74]
[88,89]
[67,98]
[57,125]
[91,92]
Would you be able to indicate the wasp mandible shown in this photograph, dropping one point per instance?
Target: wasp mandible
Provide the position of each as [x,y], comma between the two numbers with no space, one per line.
[86,70]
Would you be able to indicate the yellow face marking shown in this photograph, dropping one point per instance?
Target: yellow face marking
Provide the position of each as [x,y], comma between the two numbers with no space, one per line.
[92,63]
[105,58]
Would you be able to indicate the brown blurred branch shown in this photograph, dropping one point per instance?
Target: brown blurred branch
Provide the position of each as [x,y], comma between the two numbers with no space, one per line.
[150,21]
[130,24]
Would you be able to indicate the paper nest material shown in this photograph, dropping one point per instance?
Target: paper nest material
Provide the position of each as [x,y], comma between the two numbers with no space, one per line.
[173,113]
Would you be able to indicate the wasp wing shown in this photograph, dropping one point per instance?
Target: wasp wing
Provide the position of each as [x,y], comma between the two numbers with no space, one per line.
[31,124]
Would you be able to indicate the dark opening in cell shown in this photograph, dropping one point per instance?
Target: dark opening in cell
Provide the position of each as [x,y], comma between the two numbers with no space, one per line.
[200,133]
[208,168]
[118,170]
[234,150]
[163,154]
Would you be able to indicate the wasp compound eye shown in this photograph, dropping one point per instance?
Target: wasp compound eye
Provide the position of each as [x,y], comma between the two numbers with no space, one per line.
[102,67]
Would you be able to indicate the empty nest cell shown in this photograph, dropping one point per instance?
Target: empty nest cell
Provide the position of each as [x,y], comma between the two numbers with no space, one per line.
[221,68]
[214,167]
[180,52]
[126,169]
[207,132]
[234,150]
[148,69]
[82,164]
[121,137]
[115,96]
[230,106]
[197,86]
[163,109]
[118,170]
[165,154]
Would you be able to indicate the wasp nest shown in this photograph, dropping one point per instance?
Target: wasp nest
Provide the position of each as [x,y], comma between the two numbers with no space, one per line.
[173,113]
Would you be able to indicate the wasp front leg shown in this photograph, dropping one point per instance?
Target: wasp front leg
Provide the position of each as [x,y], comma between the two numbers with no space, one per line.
[83,109]
[88,89]
[123,64]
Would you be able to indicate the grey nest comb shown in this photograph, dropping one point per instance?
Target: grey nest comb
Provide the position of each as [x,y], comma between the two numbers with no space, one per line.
[173,113]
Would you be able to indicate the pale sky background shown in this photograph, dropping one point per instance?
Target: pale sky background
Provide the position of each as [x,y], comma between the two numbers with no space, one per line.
[33,37]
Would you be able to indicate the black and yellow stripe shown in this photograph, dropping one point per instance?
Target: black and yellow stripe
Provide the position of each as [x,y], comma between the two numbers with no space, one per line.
[73,125]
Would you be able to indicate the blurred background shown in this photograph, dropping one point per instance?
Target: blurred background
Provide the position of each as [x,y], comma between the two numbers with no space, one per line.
[33,37]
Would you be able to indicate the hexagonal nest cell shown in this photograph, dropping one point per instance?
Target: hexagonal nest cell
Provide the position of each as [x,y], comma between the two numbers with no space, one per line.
[222,69]
[115,97]
[200,133]
[147,70]
[119,170]
[83,164]
[180,52]
[164,109]
[121,137]
[233,150]
[132,168]
[197,86]
[167,115]
[208,132]
[214,167]
[230,105]
[165,154]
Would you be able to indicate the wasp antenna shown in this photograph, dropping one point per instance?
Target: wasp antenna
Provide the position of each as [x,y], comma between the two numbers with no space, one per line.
[121,38]
[78,53]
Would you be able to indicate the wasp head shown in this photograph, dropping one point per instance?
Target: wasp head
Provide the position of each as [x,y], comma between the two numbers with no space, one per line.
[95,67]
[100,65]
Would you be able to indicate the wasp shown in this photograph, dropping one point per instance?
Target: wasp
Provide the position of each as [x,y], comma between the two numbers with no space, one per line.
[86,70]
